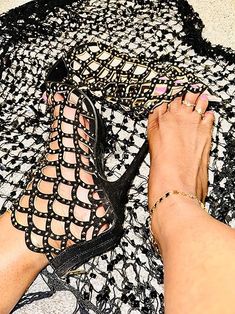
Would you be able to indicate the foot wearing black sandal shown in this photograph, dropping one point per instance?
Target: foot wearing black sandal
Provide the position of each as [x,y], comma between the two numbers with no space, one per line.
[134,86]
[68,210]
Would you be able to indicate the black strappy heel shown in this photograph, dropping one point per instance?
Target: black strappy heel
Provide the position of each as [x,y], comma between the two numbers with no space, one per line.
[130,85]
[69,211]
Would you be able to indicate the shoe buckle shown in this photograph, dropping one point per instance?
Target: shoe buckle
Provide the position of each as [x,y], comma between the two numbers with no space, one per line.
[76,272]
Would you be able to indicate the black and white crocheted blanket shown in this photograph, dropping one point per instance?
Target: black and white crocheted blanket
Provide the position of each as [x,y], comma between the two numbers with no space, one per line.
[128,279]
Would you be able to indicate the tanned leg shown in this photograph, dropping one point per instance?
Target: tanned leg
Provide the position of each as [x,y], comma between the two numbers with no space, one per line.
[198,251]
[18,265]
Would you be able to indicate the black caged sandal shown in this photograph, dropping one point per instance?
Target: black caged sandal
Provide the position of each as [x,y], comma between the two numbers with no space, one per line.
[69,211]
[128,84]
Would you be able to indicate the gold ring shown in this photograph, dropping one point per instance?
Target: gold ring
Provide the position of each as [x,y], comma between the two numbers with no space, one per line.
[188,104]
[199,111]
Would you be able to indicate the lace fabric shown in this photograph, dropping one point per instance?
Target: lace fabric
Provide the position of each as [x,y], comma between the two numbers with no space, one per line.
[128,279]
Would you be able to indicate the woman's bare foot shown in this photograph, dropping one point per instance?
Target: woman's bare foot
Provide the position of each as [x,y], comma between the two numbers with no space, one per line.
[179,140]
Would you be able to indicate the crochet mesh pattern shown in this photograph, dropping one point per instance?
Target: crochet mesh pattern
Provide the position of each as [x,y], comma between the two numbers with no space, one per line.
[128,279]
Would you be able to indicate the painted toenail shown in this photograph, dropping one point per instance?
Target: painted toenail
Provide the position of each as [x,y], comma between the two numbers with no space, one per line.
[160,90]
[44,96]
[196,85]
[204,97]
[210,112]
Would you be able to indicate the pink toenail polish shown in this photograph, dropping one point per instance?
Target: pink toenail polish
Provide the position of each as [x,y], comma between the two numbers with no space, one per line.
[204,97]
[179,81]
[195,85]
[44,96]
[160,90]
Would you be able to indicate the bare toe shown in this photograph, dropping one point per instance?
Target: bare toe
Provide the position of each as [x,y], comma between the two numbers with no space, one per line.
[209,118]
[190,100]
[202,104]
[162,109]
[153,116]
[57,97]
[175,105]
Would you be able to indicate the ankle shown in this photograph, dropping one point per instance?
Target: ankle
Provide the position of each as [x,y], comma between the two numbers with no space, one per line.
[36,261]
[174,215]
[168,182]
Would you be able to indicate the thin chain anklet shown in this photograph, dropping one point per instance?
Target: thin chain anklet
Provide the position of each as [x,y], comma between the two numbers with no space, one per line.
[152,210]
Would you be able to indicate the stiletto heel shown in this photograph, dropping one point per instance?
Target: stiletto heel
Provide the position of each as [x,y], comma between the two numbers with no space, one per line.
[69,211]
